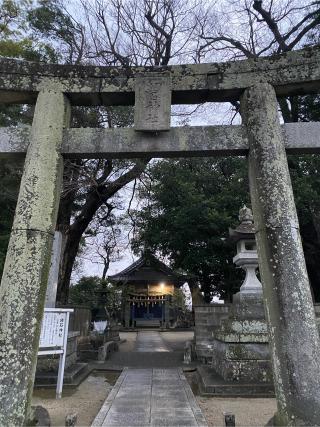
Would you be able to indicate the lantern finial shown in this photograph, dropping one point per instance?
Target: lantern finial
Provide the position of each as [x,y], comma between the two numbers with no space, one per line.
[245,215]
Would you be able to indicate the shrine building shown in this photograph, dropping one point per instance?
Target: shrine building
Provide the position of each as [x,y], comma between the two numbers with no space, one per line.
[148,288]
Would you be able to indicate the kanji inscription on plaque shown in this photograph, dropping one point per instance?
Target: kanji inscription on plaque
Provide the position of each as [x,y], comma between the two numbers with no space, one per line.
[152,102]
[52,330]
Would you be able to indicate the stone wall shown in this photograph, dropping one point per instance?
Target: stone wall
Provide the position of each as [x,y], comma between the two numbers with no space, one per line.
[207,320]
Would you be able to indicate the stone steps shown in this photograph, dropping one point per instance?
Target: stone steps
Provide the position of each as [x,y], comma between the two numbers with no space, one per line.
[73,376]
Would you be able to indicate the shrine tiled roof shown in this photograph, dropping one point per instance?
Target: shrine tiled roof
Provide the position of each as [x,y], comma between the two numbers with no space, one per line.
[148,268]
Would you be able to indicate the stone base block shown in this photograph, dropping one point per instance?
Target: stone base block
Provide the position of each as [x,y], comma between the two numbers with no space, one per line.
[73,375]
[248,306]
[211,383]
[235,337]
[242,331]
[242,362]
[240,345]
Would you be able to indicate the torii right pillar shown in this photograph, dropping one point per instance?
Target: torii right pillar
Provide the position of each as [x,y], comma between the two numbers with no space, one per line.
[294,338]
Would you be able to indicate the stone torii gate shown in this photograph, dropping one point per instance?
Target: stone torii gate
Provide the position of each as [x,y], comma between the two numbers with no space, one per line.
[294,339]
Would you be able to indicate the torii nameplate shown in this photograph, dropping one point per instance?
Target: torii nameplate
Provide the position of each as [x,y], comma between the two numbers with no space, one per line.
[152,102]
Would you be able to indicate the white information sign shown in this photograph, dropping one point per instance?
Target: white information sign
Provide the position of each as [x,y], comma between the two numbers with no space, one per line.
[52,330]
[53,338]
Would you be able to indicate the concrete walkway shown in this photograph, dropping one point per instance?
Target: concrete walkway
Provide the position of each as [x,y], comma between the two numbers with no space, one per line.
[150,341]
[150,397]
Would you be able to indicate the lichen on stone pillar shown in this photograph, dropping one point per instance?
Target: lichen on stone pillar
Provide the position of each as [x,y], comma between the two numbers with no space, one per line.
[293,335]
[25,275]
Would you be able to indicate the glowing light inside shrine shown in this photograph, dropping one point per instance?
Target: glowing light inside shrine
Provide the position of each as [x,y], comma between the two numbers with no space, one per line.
[162,285]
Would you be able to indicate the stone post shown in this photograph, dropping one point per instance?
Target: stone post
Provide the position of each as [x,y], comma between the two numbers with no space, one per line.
[25,275]
[52,287]
[293,335]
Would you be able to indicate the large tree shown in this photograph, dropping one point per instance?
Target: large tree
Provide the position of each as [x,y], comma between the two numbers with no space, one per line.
[264,28]
[15,43]
[115,39]
[189,206]
[108,33]
[257,28]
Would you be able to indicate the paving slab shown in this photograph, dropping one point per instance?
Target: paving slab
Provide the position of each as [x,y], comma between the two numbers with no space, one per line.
[150,341]
[150,397]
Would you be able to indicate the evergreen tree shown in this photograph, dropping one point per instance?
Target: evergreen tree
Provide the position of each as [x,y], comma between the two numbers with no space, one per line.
[190,205]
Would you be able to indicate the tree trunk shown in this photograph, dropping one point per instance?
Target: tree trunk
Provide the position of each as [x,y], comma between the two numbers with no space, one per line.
[95,199]
[105,270]
[196,296]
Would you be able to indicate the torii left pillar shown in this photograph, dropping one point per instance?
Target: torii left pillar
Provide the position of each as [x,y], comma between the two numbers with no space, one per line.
[25,275]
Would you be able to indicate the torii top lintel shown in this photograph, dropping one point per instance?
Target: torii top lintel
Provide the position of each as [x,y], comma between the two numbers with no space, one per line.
[291,73]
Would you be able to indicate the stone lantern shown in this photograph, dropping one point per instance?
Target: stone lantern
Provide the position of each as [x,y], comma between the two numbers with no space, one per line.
[240,344]
[247,256]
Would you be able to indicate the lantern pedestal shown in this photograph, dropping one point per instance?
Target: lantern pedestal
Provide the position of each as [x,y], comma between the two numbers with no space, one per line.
[240,346]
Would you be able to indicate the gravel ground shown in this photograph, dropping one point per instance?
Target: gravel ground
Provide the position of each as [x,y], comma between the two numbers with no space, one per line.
[248,412]
[86,400]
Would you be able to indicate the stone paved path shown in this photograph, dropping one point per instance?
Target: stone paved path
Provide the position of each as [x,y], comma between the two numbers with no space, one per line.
[148,341]
[150,397]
